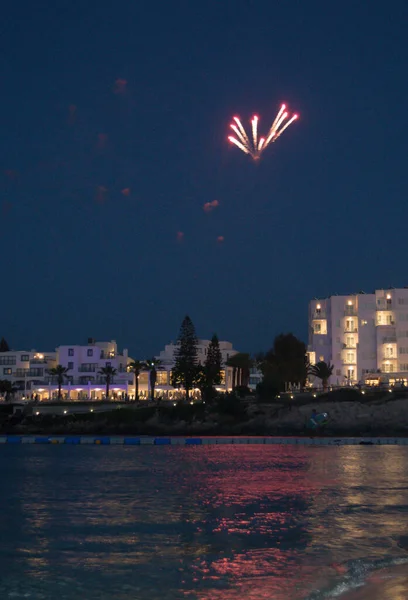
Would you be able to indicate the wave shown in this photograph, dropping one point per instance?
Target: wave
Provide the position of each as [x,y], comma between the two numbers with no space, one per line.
[357,574]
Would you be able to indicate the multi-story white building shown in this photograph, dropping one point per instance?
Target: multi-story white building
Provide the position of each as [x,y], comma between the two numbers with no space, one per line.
[167,360]
[365,336]
[83,379]
[26,368]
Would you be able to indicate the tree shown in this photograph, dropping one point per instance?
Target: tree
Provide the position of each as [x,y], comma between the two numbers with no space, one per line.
[210,373]
[136,367]
[285,361]
[241,364]
[60,373]
[4,347]
[151,365]
[108,373]
[323,371]
[6,387]
[184,372]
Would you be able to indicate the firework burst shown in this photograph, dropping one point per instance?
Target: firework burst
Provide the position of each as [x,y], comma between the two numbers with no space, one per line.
[255,146]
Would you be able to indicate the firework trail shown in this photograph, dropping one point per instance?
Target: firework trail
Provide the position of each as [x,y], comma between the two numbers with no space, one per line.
[255,147]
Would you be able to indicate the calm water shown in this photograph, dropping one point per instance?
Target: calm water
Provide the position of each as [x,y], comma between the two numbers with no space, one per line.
[207,523]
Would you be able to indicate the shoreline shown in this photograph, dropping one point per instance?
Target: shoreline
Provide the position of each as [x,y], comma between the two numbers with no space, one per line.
[107,440]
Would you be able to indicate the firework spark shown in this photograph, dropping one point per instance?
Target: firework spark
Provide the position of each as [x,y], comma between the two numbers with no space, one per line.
[254,147]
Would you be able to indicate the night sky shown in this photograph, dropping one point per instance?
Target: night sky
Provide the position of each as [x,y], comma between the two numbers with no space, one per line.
[114,128]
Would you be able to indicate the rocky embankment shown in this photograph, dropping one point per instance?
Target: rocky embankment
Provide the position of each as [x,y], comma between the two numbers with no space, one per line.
[350,413]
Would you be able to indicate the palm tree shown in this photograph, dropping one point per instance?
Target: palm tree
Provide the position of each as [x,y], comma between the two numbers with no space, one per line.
[108,373]
[151,365]
[136,367]
[60,373]
[323,371]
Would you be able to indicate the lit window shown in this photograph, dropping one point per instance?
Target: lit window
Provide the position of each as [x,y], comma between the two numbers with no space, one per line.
[7,371]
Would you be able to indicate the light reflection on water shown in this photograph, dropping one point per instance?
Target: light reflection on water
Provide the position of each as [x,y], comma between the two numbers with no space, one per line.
[211,522]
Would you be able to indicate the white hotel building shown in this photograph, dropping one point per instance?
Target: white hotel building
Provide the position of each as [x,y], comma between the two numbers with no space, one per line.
[30,371]
[26,368]
[365,336]
[167,359]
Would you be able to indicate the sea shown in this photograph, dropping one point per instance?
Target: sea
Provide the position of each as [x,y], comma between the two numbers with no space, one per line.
[222,522]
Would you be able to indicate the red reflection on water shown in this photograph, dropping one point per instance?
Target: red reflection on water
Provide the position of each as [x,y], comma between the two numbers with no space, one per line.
[255,501]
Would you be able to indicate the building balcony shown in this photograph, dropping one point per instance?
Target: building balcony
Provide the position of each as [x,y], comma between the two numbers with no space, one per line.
[100,381]
[89,369]
[389,358]
[346,361]
[350,346]
[388,324]
[38,361]
[385,305]
[351,330]
[318,314]
[28,373]
[350,312]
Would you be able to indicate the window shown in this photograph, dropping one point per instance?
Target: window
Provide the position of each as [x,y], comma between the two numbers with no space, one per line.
[338,371]
[88,368]
[70,352]
[89,352]
[317,328]
[403,351]
[350,325]
[70,365]
[403,367]
[7,371]
[162,377]
[7,360]
[24,357]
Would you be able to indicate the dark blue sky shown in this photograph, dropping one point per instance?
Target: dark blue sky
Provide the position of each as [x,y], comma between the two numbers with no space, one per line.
[324,211]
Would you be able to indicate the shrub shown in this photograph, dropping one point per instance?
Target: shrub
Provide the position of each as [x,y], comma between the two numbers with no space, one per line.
[231,405]
[242,391]
[267,389]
